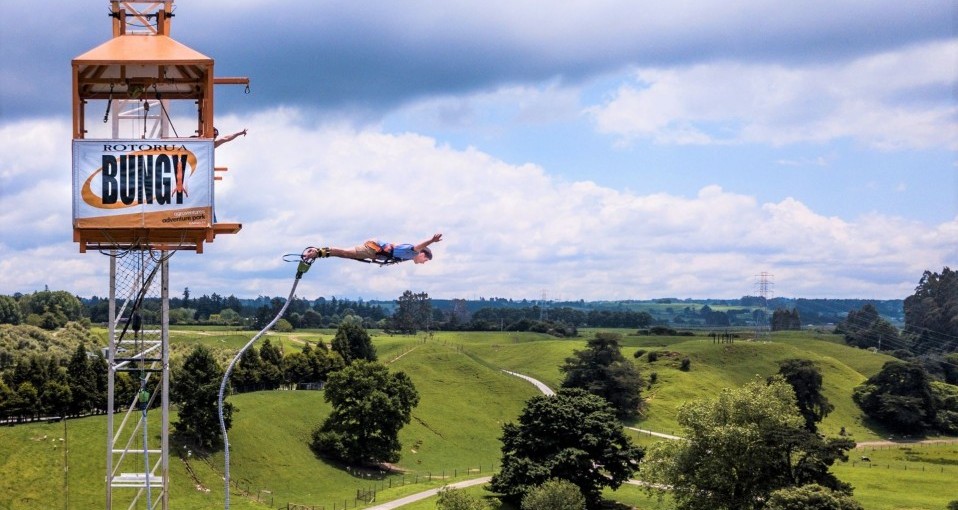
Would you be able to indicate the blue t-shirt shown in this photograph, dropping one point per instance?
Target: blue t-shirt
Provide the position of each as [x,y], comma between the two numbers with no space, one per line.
[404,251]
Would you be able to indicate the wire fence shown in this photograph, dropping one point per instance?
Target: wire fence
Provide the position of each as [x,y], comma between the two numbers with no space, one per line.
[366,491]
[861,457]
[904,466]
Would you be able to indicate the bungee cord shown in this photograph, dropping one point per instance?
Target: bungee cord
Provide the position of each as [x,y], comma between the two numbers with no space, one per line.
[301,269]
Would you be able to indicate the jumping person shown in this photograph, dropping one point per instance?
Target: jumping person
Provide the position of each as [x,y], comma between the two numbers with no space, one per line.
[375,250]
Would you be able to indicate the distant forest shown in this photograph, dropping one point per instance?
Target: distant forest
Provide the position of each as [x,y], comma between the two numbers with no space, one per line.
[411,311]
[496,312]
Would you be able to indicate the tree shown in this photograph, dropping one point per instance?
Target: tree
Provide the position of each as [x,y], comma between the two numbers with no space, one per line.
[899,396]
[271,375]
[283,326]
[322,361]
[554,495]
[601,370]
[864,328]
[248,371]
[806,380]
[82,382]
[55,397]
[413,312]
[195,388]
[783,319]
[51,309]
[311,319]
[458,499]
[946,407]
[98,367]
[740,447]
[931,313]
[182,316]
[26,401]
[572,436]
[7,397]
[297,369]
[352,342]
[10,311]
[370,406]
[810,497]
[230,316]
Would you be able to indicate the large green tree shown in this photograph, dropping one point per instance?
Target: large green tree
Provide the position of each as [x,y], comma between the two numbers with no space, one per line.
[899,396]
[931,313]
[352,342]
[370,406]
[740,447]
[806,380]
[572,435]
[195,389]
[413,312]
[601,370]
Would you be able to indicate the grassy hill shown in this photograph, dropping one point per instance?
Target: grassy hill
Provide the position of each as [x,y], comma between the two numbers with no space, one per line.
[454,432]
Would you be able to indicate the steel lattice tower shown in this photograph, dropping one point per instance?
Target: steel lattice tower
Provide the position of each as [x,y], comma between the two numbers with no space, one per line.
[763,285]
[142,191]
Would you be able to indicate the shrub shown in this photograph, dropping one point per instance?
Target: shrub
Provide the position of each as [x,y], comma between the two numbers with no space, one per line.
[662,331]
[638,354]
[554,495]
[283,326]
[457,499]
[653,356]
[686,363]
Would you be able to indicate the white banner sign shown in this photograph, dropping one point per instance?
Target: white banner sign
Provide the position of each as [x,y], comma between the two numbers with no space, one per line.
[143,183]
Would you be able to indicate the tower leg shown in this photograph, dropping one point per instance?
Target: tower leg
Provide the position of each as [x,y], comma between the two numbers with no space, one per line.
[137,466]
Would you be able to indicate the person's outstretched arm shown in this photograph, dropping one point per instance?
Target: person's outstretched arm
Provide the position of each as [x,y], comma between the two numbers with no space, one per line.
[228,138]
[434,239]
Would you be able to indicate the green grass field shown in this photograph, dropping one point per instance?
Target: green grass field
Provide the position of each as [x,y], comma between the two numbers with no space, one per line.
[465,399]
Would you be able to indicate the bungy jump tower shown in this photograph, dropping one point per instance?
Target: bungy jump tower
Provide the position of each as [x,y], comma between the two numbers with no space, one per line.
[142,190]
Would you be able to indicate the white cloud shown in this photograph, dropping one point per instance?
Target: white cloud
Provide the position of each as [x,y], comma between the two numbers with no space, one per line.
[893,100]
[510,230]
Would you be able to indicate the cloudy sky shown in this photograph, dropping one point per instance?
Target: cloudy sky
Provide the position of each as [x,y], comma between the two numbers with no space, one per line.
[573,150]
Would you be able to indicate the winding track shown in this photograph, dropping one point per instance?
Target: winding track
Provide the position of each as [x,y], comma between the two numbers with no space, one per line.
[476,481]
